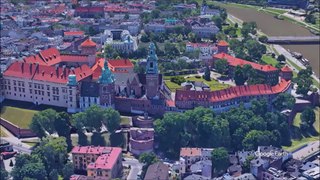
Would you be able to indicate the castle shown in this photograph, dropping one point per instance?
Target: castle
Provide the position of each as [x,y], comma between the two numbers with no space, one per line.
[76,82]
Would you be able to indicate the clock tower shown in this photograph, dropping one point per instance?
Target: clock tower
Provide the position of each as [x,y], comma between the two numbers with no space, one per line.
[152,73]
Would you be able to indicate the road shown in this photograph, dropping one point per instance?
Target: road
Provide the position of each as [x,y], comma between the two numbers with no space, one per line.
[136,167]
[307,151]
[17,144]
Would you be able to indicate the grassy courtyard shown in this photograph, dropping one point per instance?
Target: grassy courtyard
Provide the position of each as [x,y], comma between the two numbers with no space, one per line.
[213,84]
[269,60]
[300,138]
[125,121]
[18,116]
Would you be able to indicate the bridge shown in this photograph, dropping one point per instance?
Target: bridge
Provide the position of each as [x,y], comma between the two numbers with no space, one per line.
[294,40]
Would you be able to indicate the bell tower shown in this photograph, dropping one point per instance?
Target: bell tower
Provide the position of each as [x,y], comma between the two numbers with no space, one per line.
[72,93]
[107,91]
[152,73]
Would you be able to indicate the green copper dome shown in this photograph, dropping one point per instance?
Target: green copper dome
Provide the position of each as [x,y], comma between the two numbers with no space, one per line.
[72,81]
[106,75]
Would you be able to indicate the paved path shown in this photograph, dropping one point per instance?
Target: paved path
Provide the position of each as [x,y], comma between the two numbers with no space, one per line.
[307,151]
[136,167]
[18,145]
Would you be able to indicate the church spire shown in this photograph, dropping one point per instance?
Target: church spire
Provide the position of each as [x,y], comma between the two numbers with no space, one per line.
[152,60]
[106,75]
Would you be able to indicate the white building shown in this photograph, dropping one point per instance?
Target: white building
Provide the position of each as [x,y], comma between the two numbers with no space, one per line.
[126,43]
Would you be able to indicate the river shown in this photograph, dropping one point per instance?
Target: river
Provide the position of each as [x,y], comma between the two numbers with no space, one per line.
[274,27]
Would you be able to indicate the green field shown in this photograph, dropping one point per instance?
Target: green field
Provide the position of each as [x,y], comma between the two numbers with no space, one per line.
[172,86]
[269,60]
[296,143]
[18,116]
[2,133]
[213,84]
[125,120]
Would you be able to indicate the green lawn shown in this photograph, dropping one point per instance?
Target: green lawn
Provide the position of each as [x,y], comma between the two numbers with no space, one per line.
[125,120]
[18,116]
[213,84]
[269,60]
[296,143]
[172,86]
[2,133]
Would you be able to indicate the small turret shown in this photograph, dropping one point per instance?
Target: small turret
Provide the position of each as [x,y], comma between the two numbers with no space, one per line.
[106,75]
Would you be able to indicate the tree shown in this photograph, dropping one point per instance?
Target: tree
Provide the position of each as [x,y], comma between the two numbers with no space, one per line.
[263,39]
[67,171]
[239,76]
[96,116]
[178,80]
[53,153]
[221,66]
[207,74]
[246,164]
[217,21]
[308,117]
[310,18]
[111,118]
[147,159]
[28,166]
[155,14]
[283,101]
[255,49]
[54,174]
[304,81]
[171,50]
[3,174]
[220,160]
[192,37]
[43,122]
[144,38]
[256,138]
[281,58]
[109,52]
[236,25]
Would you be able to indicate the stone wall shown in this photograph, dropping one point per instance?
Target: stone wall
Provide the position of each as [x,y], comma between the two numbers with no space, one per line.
[15,130]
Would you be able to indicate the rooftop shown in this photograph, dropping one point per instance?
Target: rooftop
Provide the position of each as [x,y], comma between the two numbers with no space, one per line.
[233,61]
[190,152]
[157,171]
[88,43]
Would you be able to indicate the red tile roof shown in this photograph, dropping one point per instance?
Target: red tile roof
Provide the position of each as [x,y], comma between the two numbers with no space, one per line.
[88,43]
[107,159]
[73,33]
[233,61]
[223,43]
[232,92]
[46,73]
[187,152]
[113,64]
[52,57]
[120,63]
[286,69]
[89,9]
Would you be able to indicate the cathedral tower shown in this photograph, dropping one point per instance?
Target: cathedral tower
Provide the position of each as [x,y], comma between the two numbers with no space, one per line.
[107,91]
[152,73]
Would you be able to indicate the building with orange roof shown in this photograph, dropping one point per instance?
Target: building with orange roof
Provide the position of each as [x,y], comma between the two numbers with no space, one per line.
[267,72]
[286,73]
[191,155]
[98,162]
[88,47]
[223,46]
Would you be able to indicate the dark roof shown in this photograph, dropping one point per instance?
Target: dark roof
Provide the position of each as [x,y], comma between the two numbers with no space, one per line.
[157,102]
[157,171]
[142,78]
[89,89]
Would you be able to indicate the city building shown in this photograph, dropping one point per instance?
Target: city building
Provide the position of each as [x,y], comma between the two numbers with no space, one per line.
[190,156]
[267,72]
[312,174]
[204,30]
[223,100]
[157,171]
[125,43]
[100,163]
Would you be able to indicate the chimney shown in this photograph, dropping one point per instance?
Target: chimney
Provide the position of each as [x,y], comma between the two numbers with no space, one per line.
[57,70]
[37,67]
[30,68]
[64,70]
[22,67]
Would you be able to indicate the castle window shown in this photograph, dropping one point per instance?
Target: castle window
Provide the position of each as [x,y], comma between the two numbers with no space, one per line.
[151,65]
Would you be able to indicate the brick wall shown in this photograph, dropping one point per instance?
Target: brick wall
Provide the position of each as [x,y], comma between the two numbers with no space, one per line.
[15,130]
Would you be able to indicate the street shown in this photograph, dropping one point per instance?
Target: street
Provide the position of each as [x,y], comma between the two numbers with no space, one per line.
[135,170]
